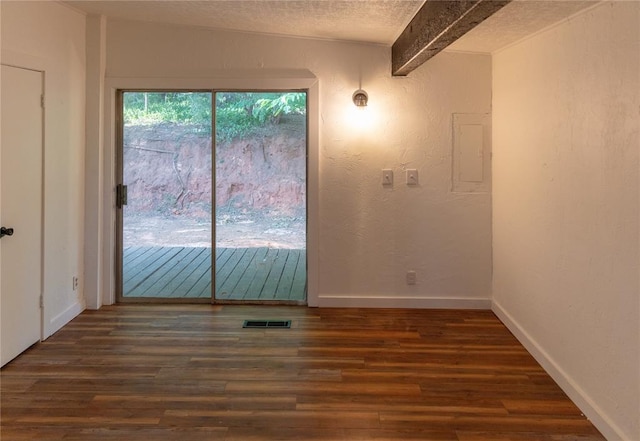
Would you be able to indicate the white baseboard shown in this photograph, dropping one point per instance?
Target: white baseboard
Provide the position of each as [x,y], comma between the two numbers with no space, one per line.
[587,405]
[57,322]
[344,301]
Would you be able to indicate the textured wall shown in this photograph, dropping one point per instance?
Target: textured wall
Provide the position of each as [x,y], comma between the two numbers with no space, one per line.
[369,235]
[565,218]
[50,36]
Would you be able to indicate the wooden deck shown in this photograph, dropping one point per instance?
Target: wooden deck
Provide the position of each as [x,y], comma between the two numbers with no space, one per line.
[248,274]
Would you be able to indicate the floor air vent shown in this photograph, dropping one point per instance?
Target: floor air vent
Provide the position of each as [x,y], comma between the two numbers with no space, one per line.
[267,324]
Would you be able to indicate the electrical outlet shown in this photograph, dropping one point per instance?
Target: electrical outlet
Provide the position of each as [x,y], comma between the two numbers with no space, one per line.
[411,277]
[75,282]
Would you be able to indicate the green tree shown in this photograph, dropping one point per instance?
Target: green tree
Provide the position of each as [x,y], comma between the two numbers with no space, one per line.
[176,107]
[237,113]
[272,106]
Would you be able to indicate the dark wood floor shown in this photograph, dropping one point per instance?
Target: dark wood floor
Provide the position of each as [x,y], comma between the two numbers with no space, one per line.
[249,274]
[190,373]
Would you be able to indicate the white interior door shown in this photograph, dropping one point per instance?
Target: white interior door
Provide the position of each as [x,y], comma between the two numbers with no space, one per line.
[20,210]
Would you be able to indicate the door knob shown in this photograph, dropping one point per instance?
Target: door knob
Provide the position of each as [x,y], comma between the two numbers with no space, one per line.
[6,232]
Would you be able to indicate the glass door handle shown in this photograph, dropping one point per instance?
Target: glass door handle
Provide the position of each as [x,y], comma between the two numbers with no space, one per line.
[121,195]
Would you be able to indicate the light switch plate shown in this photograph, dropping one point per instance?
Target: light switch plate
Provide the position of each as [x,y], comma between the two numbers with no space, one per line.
[412,176]
[387,177]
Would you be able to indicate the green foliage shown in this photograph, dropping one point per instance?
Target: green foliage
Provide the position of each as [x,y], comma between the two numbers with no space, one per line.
[237,113]
[231,123]
[144,108]
[273,105]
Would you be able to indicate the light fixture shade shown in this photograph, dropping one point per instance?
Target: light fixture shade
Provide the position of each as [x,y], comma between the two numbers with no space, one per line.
[360,98]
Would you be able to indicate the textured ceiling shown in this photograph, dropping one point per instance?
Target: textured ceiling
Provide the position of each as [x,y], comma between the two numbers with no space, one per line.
[372,21]
[515,21]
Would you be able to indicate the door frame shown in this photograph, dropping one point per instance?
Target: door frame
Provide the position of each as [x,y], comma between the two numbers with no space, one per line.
[241,81]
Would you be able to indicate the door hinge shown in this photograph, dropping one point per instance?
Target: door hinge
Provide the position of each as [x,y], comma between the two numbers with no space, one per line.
[121,195]
[42,100]
[41,301]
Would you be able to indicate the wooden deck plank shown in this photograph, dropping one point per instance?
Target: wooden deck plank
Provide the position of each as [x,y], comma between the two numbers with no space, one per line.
[299,283]
[177,287]
[273,279]
[206,291]
[264,267]
[165,266]
[139,262]
[148,267]
[269,262]
[157,285]
[223,255]
[192,284]
[249,274]
[133,252]
[199,288]
[146,253]
[224,271]
[284,287]
[241,289]
[227,289]
[258,289]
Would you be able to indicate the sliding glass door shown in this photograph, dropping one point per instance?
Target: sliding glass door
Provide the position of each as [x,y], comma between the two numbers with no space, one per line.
[166,195]
[175,243]
[261,194]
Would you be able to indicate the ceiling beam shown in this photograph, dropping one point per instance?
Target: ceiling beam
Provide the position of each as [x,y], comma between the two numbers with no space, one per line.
[435,26]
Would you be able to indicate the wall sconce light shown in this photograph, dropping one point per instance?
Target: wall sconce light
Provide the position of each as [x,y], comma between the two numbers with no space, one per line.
[360,98]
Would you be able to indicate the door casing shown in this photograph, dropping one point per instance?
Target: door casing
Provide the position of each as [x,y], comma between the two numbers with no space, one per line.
[105,231]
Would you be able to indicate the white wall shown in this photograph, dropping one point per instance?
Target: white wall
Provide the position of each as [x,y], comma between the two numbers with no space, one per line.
[566,111]
[51,37]
[369,236]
